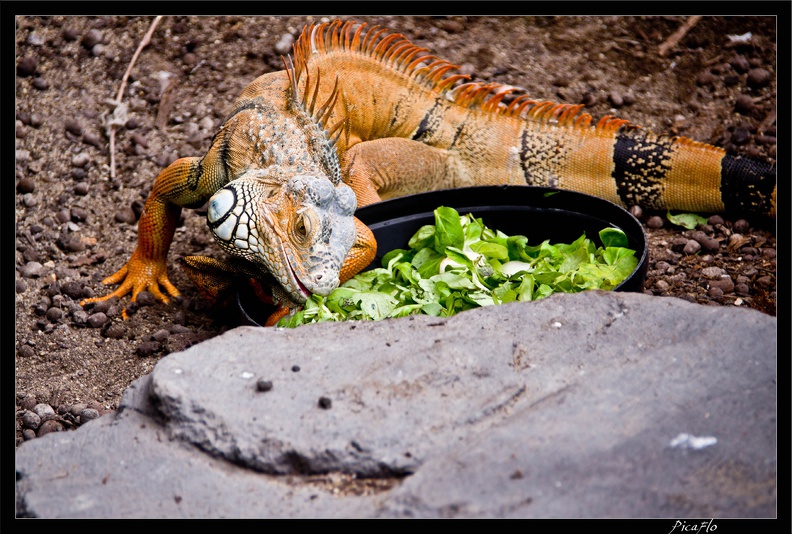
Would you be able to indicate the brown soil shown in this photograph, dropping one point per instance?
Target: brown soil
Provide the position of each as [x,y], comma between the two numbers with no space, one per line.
[75,225]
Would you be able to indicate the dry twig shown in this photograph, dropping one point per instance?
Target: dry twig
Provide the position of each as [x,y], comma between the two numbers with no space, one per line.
[112,125]
[678,35]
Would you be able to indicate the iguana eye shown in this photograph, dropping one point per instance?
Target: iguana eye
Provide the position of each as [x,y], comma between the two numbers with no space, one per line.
[302,226]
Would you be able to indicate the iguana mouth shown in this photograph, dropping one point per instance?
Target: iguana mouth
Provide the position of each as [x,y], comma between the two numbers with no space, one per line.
[294,280]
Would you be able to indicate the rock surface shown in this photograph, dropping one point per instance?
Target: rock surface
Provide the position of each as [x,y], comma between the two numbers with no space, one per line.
[587,405]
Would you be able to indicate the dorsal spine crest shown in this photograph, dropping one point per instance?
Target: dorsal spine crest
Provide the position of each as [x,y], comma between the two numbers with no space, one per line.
[396,52]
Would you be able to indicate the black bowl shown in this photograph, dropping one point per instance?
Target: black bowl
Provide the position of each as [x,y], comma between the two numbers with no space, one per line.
[539,213]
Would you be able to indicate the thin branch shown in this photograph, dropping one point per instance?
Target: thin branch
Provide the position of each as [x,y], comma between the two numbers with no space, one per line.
[143,43]
[678,35]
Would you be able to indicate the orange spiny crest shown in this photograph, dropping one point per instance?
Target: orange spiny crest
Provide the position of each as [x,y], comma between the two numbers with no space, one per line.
[405,60]
[446,83]
[335,34]
[371,37]
[516,106]
[493,103]
[569,114]
[383,47]
[537,111]
[356,39]
[396,51]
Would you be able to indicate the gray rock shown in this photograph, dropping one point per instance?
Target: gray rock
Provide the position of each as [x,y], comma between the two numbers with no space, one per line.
[589,405]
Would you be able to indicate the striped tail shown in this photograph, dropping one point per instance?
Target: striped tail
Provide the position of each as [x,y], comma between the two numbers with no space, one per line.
[678,173]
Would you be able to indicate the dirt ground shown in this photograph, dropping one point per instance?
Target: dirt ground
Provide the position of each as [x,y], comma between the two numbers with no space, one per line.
[75,224]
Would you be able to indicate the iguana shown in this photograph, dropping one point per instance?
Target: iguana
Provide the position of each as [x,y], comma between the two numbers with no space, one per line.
[363,115]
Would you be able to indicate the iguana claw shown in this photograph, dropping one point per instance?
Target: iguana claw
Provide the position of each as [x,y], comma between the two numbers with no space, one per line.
[138,274]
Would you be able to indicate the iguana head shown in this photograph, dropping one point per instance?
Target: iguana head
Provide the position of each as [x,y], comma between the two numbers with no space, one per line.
[300,231]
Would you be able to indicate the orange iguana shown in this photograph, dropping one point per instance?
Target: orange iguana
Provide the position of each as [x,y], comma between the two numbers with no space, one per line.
[370,112]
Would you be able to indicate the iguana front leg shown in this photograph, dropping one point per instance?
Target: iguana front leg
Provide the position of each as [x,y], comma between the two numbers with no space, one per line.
[393,167]
[147,268]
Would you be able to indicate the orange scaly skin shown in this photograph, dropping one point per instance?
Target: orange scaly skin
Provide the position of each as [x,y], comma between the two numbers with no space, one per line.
[402,124]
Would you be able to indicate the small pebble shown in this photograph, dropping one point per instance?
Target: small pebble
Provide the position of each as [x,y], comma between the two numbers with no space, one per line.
[742,289]
[31,254]
[662,286]
[655,222]
[147,348]
[28,402]
[29,200]
[295,368]
[104,305]
[125,215]
[78,214]
[765,282]
[740,226]
[708,244]
[616,99]
[79,317]
[20,131]
[139,139]
[691,247]
[54,314]
[589,99]
[145,298]
[32,269]
[26,66]
[97,320]
[44,411]
[706,78]
[715,292]
[715,220]
[731,80]
[713,273]
[25,351]
[740,64]
[179,319]
[72,289]
[325,403]
[72,126]
[115,331]
[31,420]
[740,136]
[744,104]
[69,34]
[92,139]
[263,385]
[81,189]
[26,185]
[88,414]
[725,284]
[41,84]
[49,426]
[75,409]
[758,78]
[769,253]
[20,286]
[629,99]
[92,38]
[636,211]
[160,335]
[81,159]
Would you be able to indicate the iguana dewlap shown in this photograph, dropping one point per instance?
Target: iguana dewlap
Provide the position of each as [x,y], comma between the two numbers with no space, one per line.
[370,111]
